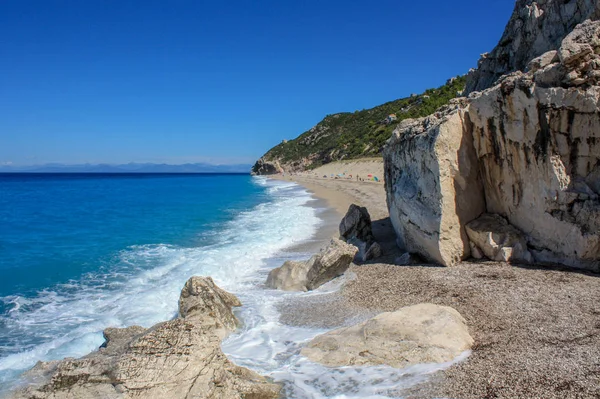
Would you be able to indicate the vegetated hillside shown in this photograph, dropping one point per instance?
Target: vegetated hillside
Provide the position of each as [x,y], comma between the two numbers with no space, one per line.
[360,134]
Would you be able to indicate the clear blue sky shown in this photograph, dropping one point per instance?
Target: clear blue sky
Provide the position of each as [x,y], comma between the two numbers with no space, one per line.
[185,81]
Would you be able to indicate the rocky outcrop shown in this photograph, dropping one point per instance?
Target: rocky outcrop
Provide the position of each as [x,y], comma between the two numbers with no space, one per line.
[527,149]
[536,27]
[356,224]
[266,167]
[423,333]
[539,150]
[433,185]
[492,236]
[328,264]
[181,358]
[355,228]
[291,276]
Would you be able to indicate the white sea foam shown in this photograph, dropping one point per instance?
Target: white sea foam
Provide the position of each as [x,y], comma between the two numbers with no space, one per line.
[143,288]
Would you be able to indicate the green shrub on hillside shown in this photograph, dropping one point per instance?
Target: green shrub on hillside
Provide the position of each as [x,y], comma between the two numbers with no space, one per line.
[362,133]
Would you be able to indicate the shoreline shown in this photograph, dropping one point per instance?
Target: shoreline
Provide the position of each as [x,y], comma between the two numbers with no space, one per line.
[536,328]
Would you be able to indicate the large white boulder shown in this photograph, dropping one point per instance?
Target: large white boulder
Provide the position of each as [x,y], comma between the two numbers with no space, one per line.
[433,185]
[423,333]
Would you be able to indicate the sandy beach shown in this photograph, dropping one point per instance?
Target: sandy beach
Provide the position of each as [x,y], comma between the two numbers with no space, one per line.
[536,329]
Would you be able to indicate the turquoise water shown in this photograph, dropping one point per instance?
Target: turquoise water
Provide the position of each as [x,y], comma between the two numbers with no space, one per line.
[79,253]
[54,228]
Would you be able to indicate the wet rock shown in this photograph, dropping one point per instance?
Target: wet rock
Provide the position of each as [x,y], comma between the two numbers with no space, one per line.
[181,358]
[330,263]
[291,276]
[203,302]
[423,333]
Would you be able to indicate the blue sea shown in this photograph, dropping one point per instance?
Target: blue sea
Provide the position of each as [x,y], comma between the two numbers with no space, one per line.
[83,252]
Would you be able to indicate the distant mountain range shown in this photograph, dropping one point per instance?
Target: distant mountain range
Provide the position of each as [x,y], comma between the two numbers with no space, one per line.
[128,168]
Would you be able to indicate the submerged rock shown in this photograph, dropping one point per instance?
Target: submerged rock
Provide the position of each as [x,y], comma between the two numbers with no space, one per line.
[181,358]
[330,263]
[423,333]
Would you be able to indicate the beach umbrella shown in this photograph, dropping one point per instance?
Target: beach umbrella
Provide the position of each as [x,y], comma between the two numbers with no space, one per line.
[369,175]
[375,178]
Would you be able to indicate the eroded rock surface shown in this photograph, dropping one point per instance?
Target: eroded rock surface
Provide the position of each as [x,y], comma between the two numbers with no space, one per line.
[536,27]
[181,358]
[355,228]
[533,140]
[433,185]
[328,264]
[356,224]
[291,276]
[492,236]
[266,167]
[423,333]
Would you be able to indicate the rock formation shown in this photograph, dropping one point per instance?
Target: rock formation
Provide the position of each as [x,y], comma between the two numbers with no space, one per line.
[527,149]
[291,276]
[433,185]
[356,224]
[266,167]
[492,236]
[328,264]
[355,228]
[181,358]
[536,27]
[423,333]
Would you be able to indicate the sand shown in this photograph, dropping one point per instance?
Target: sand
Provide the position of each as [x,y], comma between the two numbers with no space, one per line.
[536,329]
[343,191]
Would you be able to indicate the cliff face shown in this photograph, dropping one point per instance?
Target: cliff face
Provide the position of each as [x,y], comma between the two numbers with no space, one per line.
[527,149]
[536,27]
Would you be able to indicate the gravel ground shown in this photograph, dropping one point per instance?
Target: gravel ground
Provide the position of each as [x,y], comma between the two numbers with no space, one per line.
[536,330]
